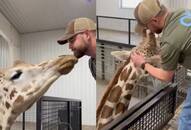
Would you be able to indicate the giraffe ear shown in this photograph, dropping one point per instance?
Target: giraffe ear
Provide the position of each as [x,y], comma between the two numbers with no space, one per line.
[121,55]
[18,62]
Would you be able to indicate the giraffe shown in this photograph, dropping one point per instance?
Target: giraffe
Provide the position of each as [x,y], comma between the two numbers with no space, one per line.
[23,84]
[119,90]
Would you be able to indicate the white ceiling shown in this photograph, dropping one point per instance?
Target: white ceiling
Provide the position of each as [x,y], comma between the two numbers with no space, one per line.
[41,15]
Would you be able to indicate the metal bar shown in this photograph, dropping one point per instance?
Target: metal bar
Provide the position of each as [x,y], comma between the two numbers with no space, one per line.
[97,22]
[23,121]
[38,115]
[102,62]
[129,31]
[115,17]
[80,115]
[115,43]
[69,111]
[57,99]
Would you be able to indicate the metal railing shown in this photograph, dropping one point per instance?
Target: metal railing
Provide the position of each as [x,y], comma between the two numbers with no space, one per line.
[54,113]
[150,114]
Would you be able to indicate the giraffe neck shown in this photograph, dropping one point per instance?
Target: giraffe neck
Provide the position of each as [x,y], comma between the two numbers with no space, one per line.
[118,95]
[6,120]
[7,114]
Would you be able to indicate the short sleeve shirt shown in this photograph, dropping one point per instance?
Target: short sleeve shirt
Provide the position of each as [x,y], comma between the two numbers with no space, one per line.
[176,40]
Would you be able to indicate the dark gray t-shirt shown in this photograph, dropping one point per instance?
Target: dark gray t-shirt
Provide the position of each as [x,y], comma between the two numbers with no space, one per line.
[92,66]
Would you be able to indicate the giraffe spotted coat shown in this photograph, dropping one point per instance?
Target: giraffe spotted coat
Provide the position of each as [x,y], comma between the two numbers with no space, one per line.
[118,93]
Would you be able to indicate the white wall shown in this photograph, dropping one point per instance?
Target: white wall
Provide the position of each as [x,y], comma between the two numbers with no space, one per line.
[177,4]
[112,9]
[79,84]
[8,32]
[111,28]
[4,53]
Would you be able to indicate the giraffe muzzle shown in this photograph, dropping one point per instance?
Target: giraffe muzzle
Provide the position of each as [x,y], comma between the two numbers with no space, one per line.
[66,63]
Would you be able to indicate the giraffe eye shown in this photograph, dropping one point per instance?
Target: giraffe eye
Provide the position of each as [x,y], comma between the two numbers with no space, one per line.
[16,75]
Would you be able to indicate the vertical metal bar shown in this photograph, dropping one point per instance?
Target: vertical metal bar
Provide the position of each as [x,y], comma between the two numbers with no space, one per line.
[97,25]
[80,115]
[23,121]
[129,30]
[103,61]
[38,115]
[69,117]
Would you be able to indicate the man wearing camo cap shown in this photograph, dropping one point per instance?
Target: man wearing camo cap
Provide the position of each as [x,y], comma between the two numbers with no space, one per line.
[81,36]
[175,45]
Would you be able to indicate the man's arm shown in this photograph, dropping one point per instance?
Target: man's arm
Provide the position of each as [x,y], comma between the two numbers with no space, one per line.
[158,73]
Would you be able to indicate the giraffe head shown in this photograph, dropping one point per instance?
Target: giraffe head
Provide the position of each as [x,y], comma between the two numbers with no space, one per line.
[148,47]
[23,84]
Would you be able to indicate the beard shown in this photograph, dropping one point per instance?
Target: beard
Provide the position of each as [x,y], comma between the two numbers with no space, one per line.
[80,52]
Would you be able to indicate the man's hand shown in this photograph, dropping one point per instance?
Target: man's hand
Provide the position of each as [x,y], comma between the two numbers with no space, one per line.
[138,59]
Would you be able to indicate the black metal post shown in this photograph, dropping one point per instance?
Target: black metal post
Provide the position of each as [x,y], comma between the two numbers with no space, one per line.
[69,118]
[129,31]
[38,115]
[23,121]
[97,25]
[80,115]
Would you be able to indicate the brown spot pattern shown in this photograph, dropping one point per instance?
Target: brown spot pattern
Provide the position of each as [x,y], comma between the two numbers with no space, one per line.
[13,92]
[128,96]
[107,112]
[125,74]
[115,94]
[7,105]
[5,89]
[120,108]
[19,99]
[134,76]
[129,86]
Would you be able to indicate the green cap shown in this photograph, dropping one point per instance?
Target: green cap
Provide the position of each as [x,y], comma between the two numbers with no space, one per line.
[77,26]
[146,10]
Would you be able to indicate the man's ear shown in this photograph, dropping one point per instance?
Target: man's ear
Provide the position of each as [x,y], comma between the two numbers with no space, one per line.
[155,20]
[86,32]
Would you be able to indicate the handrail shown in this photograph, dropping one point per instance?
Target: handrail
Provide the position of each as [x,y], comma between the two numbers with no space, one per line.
[135,113]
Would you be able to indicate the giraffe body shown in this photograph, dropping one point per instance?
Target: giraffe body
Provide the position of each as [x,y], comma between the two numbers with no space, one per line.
[118,93]
[23,84]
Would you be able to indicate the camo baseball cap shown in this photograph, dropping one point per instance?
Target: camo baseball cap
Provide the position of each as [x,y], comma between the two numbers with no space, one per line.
[75,27]
[146,10]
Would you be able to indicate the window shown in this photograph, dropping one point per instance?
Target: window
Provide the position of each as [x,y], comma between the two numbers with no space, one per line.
[129,3]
